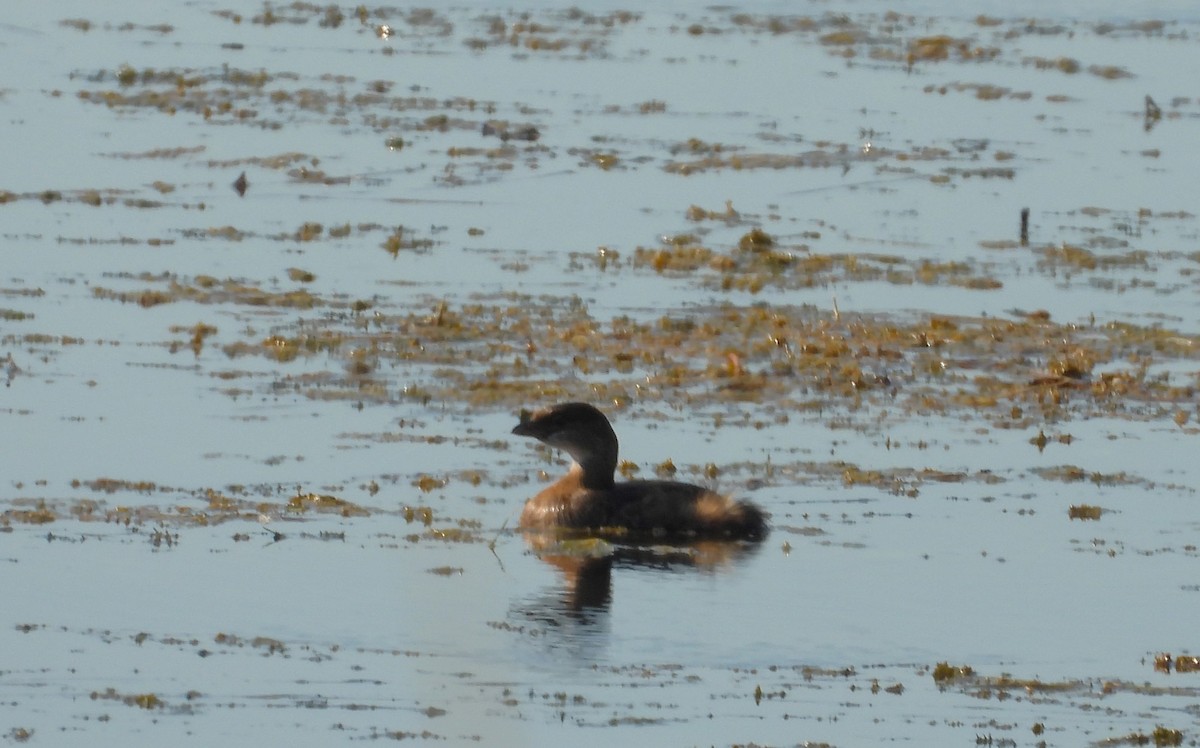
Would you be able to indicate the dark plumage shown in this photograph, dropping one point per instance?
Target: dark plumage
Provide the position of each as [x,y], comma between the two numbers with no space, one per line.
[588,496]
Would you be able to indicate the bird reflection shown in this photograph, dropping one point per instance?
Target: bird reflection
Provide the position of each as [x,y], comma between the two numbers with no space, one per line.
[574,614]
[587,582]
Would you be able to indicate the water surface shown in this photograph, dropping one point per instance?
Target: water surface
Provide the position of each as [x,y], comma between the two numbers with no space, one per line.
[259,482]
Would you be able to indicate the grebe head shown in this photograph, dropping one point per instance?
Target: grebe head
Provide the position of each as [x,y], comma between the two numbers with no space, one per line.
[581,431]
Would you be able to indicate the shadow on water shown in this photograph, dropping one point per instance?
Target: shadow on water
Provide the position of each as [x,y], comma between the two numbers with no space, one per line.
[573,616]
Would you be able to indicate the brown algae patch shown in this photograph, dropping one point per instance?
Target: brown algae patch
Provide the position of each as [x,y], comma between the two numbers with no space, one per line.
[1165,662]
[269,645]
[452,128]
[572,32]
[1084,511]
[1074,474]
[206,290]
[758,261]
[324,503]
[904,41]
[142,700]
[507,350]
[1082,693]
[463,140]
[208,507]
[28,512]
[272,100]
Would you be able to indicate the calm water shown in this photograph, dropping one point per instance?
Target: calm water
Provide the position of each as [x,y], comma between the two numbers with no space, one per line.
[160,587]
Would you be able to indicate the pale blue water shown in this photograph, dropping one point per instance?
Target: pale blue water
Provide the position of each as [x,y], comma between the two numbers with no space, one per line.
[991,575]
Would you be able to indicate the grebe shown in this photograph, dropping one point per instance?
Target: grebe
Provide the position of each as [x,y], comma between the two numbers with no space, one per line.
[588,497]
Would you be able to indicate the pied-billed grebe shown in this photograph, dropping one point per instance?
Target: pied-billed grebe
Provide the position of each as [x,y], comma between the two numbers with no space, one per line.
[588,497]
